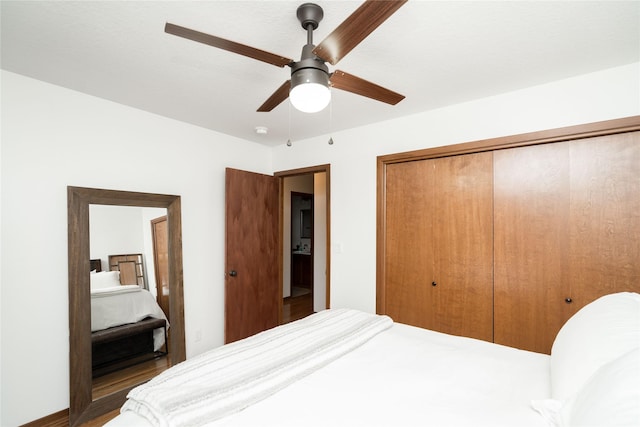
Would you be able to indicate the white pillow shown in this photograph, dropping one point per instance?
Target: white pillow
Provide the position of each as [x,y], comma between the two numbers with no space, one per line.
[105,279]
[611,397]
[600,332]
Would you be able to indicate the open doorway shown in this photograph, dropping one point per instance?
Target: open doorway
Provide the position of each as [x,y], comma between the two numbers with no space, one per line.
[255,210]
[301,282]
[305,228]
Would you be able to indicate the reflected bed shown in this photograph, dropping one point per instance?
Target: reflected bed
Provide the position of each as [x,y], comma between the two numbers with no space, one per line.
[127,324]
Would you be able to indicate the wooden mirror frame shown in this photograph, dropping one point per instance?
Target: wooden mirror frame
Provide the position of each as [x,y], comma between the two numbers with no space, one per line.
[82,407]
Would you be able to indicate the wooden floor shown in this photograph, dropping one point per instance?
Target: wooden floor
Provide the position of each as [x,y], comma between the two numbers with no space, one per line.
[107,384]
[293,308]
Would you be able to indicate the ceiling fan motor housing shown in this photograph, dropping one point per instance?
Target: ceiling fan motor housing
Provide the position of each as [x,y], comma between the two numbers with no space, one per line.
[310,69]
[310,75]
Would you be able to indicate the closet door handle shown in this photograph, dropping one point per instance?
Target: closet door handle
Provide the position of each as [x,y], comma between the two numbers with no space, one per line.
[434,284]
[568,300]
[233,273]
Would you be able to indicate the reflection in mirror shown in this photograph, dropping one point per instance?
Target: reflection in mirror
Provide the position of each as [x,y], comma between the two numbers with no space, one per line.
[305,223]
[129,326]
[83,405]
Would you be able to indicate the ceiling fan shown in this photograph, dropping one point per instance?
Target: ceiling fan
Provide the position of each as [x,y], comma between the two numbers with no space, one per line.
[308,87]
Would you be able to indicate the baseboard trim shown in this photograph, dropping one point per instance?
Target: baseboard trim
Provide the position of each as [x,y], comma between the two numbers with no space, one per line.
[58,419]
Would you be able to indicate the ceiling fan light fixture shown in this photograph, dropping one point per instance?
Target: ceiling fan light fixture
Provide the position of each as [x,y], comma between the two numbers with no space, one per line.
[310,91]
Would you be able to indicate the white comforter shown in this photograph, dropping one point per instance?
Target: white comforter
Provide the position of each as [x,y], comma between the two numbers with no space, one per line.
[406,376]
[230,378]
[125,304]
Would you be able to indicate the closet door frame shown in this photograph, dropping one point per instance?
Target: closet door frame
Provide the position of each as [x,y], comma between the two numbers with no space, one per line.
[608,127]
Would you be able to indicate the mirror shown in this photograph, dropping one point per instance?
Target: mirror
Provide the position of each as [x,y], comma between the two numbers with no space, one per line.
[82,407]
[125,302]
[305,223]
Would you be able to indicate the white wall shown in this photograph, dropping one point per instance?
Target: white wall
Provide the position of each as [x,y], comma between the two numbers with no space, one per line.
[604,95]
[53,137]
[123,230]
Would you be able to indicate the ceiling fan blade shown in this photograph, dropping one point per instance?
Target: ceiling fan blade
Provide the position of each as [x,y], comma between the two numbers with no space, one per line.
[241,49]
[276,98]
[350,83]
[369,16]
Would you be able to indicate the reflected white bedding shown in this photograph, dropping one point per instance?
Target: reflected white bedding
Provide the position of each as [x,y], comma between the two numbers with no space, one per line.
[125,304]
[406,376]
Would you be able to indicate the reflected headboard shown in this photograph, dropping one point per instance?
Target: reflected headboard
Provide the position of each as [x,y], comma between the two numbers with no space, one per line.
[95,265]
[130,268]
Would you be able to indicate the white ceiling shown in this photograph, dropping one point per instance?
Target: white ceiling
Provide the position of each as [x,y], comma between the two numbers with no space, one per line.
[436,53]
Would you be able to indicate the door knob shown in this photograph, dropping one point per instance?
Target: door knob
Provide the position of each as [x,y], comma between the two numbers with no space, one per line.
[434,284]
[233,273]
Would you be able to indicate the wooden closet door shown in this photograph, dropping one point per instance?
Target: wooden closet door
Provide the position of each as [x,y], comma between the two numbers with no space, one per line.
[438,259]
[531,230]
[462,209]
[567,231]
[605,217]
[408,242]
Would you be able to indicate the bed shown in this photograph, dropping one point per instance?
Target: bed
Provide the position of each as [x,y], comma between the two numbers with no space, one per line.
[343,367]
[127,324]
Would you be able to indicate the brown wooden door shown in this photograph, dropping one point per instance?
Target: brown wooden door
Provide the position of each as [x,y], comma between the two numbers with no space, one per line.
[567,231]
[160,261]
[253,295]
[605,217]
[531,229]
[439,260]
[463,255]
[408,245]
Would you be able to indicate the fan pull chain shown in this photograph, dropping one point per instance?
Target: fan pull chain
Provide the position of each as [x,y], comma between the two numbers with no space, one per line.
[289,139]
[331,121]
